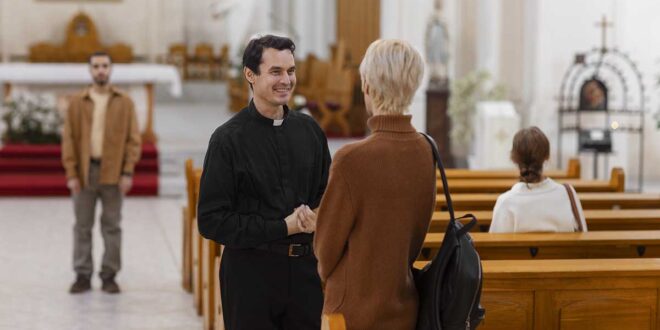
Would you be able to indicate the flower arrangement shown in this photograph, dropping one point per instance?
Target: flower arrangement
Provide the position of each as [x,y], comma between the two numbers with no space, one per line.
[30,119]
[466,93]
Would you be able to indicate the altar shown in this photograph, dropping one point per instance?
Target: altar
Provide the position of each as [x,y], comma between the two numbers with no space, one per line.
[66,78]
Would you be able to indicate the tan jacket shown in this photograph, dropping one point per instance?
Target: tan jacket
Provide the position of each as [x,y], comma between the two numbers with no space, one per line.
[121,139]
[371,225]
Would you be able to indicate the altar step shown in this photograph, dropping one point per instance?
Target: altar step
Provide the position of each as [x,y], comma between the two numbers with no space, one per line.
[32,165]
[36,170]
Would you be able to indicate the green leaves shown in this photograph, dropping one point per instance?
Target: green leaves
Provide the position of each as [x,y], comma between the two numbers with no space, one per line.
[465,93]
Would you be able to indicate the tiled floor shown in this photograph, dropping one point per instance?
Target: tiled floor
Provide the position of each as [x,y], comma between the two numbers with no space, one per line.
[35,269]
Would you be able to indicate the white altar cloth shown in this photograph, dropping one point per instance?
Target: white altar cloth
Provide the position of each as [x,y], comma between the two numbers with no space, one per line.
[78,74]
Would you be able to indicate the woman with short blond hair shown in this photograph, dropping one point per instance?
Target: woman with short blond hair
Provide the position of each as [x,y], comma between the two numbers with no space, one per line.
[377,206]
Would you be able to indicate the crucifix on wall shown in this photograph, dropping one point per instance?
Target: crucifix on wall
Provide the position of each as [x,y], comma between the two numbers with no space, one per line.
[604,24]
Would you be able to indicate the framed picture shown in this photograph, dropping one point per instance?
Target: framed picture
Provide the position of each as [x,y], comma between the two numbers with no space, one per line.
[593,95]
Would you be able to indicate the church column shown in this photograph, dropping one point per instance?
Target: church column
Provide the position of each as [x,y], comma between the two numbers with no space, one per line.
[488,35]
[4,56]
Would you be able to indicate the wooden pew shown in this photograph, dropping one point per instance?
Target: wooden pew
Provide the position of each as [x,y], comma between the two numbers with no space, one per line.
[188,214]
[333,322]
[594,244]
[479,202]
[597,220]
[615,184]
[197,241]
[570,294]
[572,172]
[217,308]
[210,251]
[207,271]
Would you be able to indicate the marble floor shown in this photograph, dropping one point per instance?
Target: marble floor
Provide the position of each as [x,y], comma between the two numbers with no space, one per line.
[35,269]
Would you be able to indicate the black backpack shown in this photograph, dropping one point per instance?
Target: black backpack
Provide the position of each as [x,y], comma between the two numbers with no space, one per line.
[450,285]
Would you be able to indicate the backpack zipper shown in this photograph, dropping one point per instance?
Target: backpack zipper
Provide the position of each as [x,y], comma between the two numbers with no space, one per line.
[474,298]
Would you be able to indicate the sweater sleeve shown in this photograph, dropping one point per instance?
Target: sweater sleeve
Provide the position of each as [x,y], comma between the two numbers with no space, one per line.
[334,223]
[502,221]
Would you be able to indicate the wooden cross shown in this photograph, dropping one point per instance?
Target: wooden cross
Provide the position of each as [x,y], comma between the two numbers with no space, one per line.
[604,24]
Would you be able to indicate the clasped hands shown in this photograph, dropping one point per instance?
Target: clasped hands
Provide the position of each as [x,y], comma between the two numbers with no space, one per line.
[302,220]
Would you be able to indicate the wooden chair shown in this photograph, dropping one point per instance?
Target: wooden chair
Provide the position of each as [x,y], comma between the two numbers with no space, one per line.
[45,52]
[239,93]
[340,58]
[221,65]
[336,101]
[178,56]
[316,83]
[202,61]
[121,53]
[82,40]
[304,72]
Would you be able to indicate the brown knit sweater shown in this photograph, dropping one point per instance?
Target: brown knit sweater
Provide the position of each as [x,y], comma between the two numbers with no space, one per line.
[372,222]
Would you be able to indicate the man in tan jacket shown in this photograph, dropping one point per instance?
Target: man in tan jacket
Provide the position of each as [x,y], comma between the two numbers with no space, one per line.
[100,147]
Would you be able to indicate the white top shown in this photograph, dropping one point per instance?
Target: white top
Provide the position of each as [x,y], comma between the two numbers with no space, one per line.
[78,73]
[543,207]
[98,122]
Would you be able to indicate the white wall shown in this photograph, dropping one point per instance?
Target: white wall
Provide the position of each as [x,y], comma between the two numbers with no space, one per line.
[529,45]
[565,27]
[147,25]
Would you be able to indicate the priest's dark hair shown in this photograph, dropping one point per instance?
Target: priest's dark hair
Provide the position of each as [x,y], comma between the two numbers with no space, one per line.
[255,49]
[99,53]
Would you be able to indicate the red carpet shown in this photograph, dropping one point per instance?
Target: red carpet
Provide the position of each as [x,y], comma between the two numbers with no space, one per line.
[36,170]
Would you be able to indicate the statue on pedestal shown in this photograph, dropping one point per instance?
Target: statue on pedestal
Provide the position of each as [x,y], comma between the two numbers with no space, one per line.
[437,47]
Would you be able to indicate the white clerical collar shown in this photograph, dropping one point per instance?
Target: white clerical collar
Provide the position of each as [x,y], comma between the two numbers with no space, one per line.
[278,122]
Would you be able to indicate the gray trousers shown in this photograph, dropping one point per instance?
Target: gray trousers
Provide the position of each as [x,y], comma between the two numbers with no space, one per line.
[84,207]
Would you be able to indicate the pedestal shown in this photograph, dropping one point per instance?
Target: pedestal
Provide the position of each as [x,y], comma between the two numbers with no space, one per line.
[437,121]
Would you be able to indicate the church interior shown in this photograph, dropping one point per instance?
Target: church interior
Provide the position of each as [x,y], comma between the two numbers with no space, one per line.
[586,72]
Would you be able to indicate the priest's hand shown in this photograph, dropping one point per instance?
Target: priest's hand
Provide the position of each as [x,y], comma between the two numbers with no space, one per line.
[307,219]
[291,221]
[125,184]
[73,185]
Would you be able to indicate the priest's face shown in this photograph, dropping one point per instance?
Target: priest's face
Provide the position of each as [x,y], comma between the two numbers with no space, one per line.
[100,67]
[276,79]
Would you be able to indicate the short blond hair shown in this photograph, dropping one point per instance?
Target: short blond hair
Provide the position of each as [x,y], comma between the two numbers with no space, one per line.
[393,70]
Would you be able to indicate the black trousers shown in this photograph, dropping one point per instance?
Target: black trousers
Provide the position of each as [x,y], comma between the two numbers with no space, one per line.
[264,290]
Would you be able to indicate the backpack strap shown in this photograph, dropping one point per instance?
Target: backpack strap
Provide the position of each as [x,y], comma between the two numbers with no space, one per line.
[576,214]
[436,156]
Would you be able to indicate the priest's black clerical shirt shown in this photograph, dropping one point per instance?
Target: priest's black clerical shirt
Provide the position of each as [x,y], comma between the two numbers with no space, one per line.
[256,171]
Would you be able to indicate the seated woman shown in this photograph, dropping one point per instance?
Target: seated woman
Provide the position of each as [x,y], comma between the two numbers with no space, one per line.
[379,201]
[536,203]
